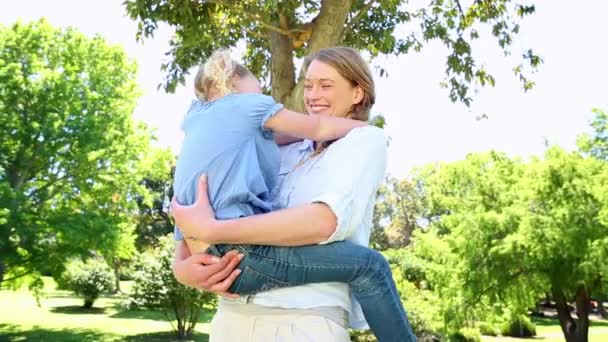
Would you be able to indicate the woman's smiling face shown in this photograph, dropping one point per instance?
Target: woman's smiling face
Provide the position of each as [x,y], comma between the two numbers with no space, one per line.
[327,92]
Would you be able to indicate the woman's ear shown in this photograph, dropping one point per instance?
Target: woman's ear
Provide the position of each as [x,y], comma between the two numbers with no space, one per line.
[358,95]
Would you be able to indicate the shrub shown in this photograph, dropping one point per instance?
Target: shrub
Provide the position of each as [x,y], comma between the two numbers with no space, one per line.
[518,326]
[488,329]
[156,288]
[88,279]
[466,335]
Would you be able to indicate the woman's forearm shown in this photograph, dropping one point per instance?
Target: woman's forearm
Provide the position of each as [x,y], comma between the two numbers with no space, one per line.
[297,226]
[181,251]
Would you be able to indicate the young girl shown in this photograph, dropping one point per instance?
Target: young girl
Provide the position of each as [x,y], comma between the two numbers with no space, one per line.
[228,136]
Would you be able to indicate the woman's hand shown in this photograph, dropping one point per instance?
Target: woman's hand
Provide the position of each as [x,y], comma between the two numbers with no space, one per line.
[205,271]
[197,220]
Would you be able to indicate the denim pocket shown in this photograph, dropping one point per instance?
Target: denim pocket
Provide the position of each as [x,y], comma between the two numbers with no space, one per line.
[251,281]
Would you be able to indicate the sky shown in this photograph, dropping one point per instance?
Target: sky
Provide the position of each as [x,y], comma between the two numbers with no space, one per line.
[424,126]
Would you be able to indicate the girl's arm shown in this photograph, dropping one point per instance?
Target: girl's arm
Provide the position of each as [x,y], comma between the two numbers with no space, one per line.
[313,127]
[285,139]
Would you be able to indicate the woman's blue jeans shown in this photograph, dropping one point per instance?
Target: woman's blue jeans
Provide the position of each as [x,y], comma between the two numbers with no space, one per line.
[364,269]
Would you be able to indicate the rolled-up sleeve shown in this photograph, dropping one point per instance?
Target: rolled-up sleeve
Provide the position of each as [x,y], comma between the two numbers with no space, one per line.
[356,170]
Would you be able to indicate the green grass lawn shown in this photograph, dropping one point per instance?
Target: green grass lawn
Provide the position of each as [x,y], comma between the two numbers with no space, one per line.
[60,317]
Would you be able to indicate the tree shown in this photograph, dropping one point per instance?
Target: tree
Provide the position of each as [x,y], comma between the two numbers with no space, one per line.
[156,288]
[70,152]
[277,31]
[397,211]
[596,143]
[516,231]
[153,219]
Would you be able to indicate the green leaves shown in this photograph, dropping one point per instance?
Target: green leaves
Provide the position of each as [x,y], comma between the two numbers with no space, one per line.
[596,143]
[155,288]
[510,231]
[71,155]
[88,279]
[376,26]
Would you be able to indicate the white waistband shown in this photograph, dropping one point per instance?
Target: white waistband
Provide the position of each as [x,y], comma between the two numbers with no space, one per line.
[333,313]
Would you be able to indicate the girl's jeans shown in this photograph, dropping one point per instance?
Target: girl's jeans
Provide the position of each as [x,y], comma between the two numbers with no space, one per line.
[365,270]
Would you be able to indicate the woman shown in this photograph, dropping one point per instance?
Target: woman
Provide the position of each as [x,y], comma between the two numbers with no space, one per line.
[329,190]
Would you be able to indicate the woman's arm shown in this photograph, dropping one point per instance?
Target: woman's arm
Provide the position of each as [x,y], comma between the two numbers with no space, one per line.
[296,226]
[205,271]
[329,216]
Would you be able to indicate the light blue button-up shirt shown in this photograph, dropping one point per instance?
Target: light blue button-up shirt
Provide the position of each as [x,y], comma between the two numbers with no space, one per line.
[226,140]
[346,177]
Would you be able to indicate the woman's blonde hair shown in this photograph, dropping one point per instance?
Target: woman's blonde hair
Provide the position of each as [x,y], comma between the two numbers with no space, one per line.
[350,65]
[216,76]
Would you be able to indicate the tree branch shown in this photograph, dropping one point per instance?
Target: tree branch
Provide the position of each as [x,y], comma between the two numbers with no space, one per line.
[360,15]
[252,16]
[460,8]
[17,276]
[488,288]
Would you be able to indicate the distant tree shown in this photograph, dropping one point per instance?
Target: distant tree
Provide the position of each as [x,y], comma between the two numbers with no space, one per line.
[397,212]
[596,143]
[512,232]
[153,220]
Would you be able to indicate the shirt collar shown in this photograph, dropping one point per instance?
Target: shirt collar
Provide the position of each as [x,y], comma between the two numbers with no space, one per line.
[306,145]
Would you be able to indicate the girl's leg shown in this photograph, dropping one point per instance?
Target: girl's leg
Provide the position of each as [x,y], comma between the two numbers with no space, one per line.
[365,270]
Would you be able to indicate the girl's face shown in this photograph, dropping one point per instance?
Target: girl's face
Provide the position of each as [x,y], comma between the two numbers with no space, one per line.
[326,92]
[247,84]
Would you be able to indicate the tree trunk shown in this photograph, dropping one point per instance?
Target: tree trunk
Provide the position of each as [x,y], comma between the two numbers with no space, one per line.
[583,308]
[327,31]
[282,74]
[574,330]
[116,266]
[329,25]
[88,303]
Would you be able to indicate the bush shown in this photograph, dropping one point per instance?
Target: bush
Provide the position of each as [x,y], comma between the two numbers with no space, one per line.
[88,279]
[422,304]
[156,288]
[488,329]
[518,326]
[466,335]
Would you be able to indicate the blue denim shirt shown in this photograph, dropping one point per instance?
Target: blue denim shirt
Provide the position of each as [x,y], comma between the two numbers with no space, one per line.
[226,140]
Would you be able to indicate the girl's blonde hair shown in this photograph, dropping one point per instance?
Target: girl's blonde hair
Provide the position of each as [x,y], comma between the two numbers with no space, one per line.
[216,76]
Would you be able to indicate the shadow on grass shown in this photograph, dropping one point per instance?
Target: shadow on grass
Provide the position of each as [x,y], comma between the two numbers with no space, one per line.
[205,316]
[163,336]
[11,332]
[77,310]
[545,322]
[140,314]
